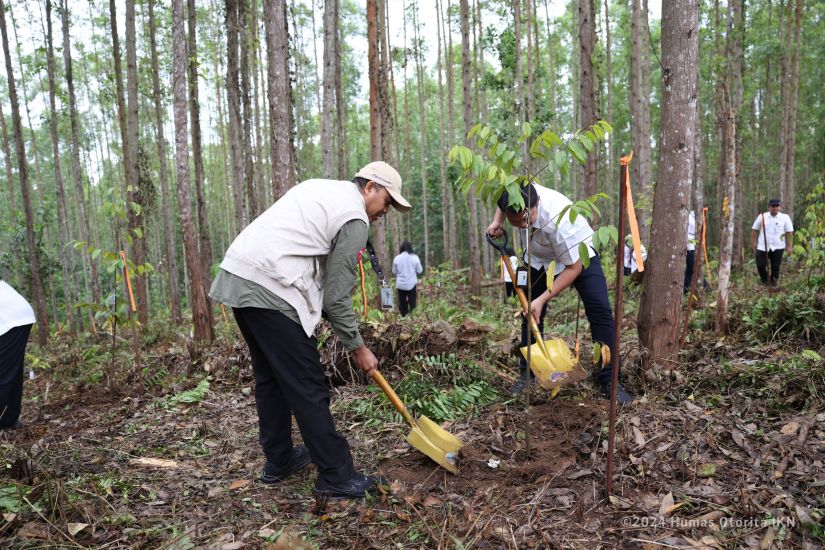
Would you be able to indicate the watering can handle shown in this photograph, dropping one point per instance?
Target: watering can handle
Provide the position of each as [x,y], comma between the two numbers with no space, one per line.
[392,396]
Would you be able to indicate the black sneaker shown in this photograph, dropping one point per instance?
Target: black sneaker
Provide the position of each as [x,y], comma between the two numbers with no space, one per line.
[276,474]
[623,397]
[521,383]
[356,487]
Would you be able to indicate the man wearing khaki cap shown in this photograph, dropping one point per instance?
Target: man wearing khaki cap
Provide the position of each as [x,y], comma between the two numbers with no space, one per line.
[294,261]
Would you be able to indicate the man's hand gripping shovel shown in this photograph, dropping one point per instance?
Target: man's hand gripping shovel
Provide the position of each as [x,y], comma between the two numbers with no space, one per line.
[551,361]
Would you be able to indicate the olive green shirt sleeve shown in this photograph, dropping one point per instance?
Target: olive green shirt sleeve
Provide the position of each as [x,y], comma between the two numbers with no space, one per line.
[340,280]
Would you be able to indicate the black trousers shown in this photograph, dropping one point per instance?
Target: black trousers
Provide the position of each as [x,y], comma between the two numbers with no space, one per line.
[12,354]
[690,259]
[762,258]
[407,300]
[509,289]
[289,380]
[592,288]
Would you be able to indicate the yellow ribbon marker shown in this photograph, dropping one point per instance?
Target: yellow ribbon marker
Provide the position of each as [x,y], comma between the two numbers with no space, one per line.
[128,281]
[705,242]
[631,215]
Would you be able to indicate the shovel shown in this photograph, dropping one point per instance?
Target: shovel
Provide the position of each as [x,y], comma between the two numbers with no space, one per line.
[551,360]
[425,435]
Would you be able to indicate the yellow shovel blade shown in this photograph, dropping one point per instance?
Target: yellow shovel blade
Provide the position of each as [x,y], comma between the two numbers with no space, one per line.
[557,368]
[420,440]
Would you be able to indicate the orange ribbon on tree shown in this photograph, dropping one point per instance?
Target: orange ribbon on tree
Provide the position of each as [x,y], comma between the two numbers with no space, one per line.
[631,215]
[128,281]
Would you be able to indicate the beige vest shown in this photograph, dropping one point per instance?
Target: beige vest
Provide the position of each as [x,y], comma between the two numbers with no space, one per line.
[285,248]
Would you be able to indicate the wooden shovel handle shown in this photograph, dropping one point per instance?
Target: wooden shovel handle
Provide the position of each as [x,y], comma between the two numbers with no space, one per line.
[392,396]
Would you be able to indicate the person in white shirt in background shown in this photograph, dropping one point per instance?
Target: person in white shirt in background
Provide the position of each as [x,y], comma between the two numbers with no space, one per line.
[690,257]
[16,321]
[631,268]
[778,229]
[509,289]
[406,267]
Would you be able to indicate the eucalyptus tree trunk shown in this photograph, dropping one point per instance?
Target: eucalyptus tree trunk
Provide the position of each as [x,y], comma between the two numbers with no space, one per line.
[246,106]
[378,109]
[551,82]
[642,165]
[661,301]
[472,233]
[201,312]
[340,133]
[727,217]
[445,186]
[587,86]
[734,57]
[608,87]
[134,191]
[393,215]
[328,104]
[25,192]
[77,171]
[448,55]
[197,154]
[531,91]
[67,260]
[518,82]
[278,95]
[170,253]
[233,96]
[422,156]
[484,213]
[789,193]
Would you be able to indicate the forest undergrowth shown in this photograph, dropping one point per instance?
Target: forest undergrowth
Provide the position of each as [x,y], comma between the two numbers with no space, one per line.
[723,450]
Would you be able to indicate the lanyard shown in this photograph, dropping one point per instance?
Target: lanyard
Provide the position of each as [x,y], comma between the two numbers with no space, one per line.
[376,266]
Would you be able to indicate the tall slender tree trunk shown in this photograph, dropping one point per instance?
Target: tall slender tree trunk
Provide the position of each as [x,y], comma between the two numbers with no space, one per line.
[448,55]
[67,258]
[445,186]
[67,261]
[9,175]
[789,192]
[77,171]
[642,167]
[587,86]
[201,316]
[340,129]
[393,145]
[659,311]
[328,105]
[233,95]
[472,233]
[608,47]
[378,94]
[170,253]
[278,95]
[25,192]
[246,105]
[422,156]
[136,220]
[197,154]
[727,216]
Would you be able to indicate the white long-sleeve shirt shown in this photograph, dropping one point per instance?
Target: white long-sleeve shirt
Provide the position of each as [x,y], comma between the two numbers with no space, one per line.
[15,311]
[406,267]
[776,227]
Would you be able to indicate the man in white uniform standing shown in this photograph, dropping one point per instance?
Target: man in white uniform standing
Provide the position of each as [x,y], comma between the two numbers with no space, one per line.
[771,235]
[16,320]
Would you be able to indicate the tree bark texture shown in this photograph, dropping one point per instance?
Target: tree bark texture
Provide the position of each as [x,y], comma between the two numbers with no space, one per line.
[201,317]
[642,166]
[587,86]
[278,95]
[472,233]
[329,104]
[66,253]
[37,287]
[77,171]
[662,292]
[727,217]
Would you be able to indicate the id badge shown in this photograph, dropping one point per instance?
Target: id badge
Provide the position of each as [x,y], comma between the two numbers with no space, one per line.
[521,277]
[386,298]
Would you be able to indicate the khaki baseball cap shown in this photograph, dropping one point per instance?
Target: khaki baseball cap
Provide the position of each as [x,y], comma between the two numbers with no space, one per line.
[386,176]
